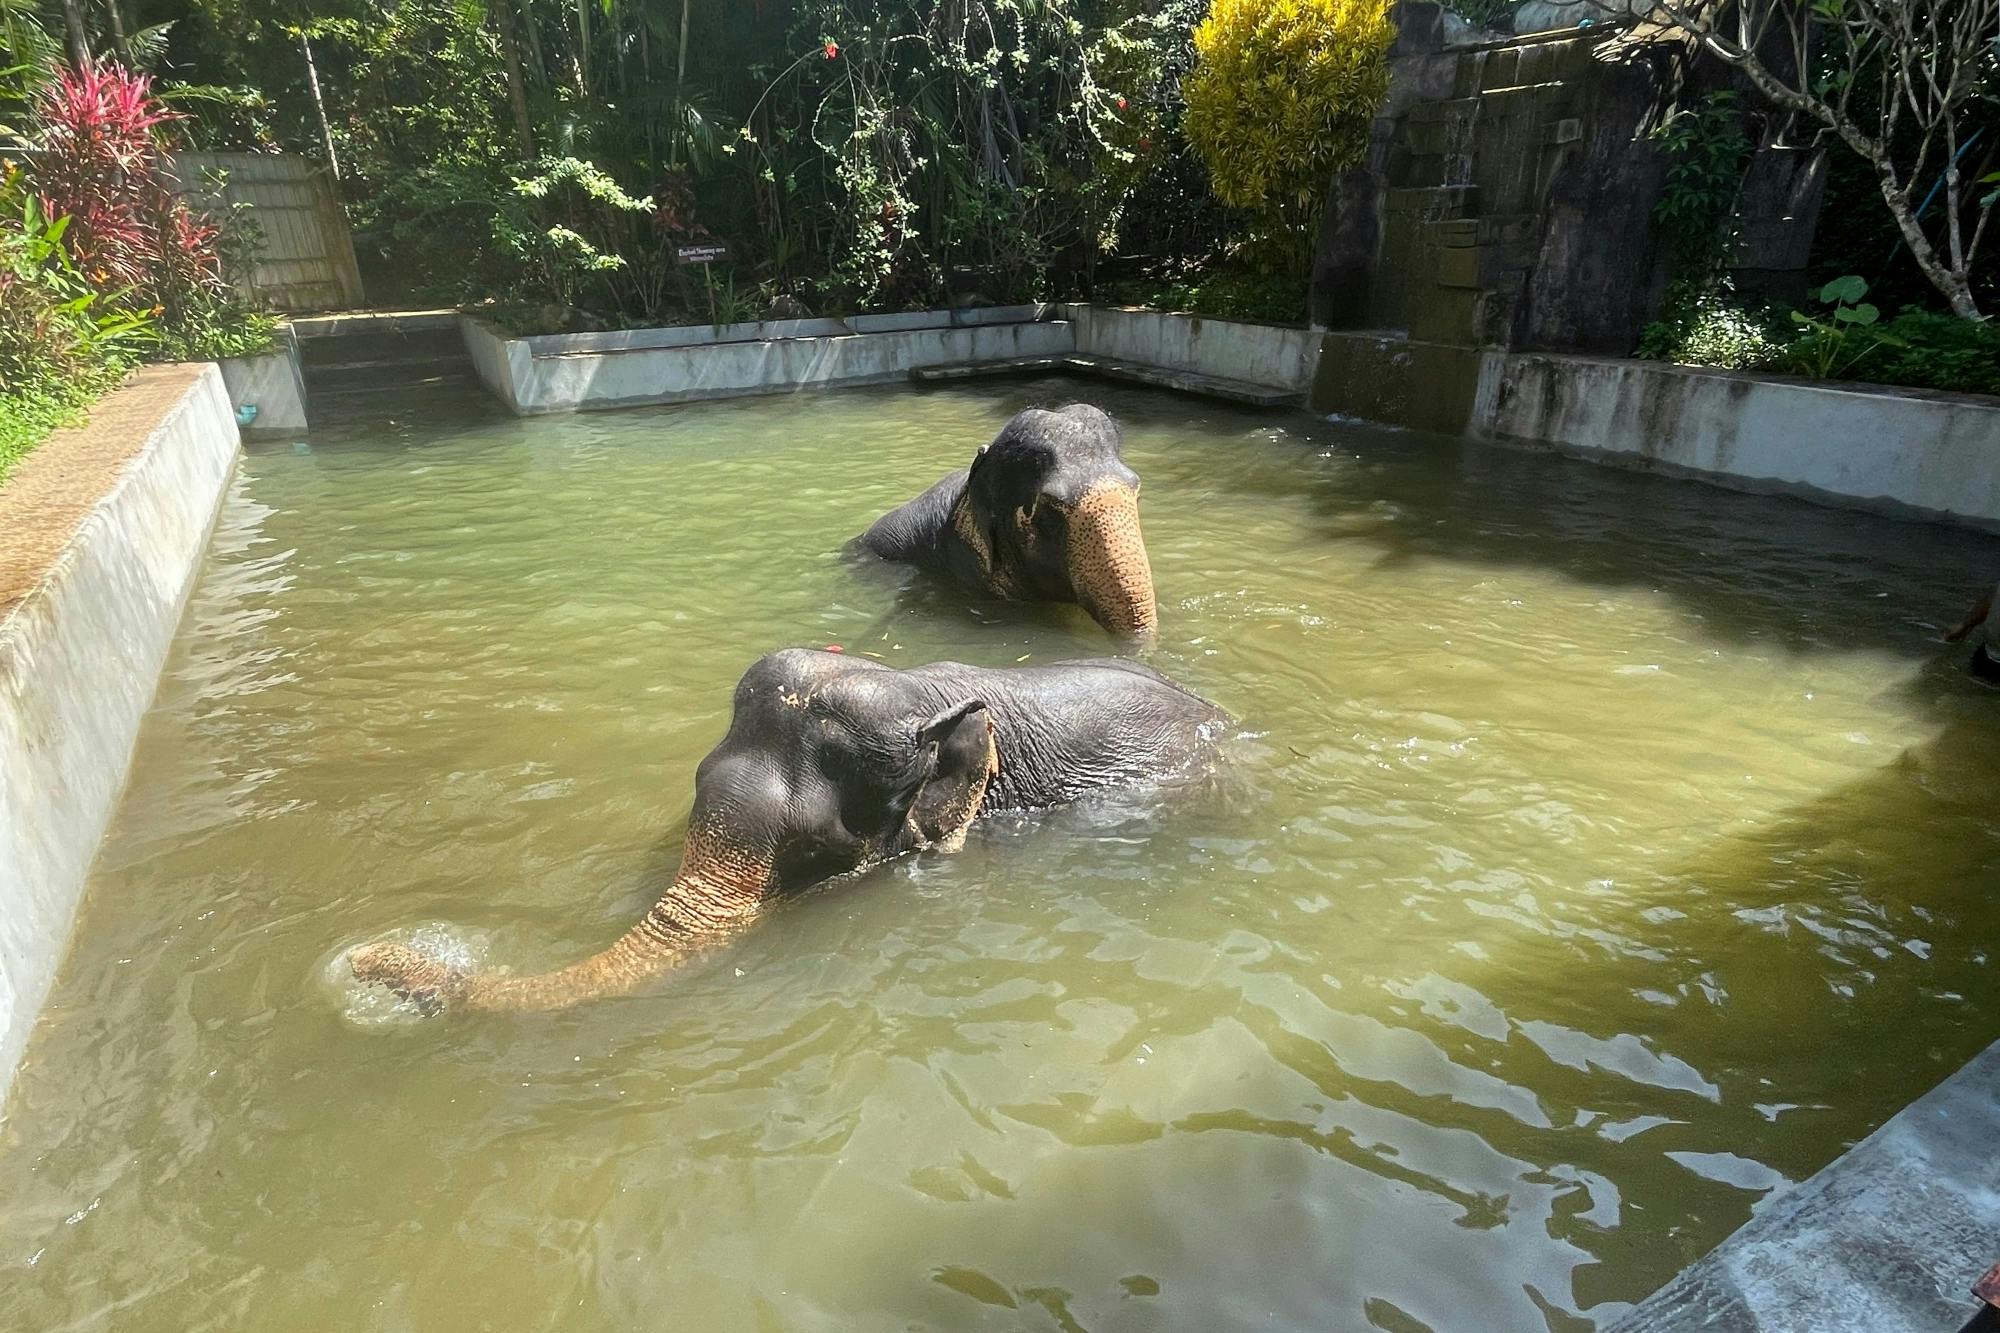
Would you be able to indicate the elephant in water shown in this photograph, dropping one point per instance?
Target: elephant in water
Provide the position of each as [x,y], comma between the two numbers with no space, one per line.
[834,763]
[1048,511]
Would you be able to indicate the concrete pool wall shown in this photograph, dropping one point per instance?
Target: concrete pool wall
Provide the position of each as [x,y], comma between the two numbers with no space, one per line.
[589,371]
[1904,452]
[623,368]
[106,525]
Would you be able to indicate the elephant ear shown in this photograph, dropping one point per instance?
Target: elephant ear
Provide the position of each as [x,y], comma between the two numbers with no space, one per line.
[1007,475]
[956,757]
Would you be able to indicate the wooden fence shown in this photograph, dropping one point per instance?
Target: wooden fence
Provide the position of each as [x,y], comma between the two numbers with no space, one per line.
[304,256]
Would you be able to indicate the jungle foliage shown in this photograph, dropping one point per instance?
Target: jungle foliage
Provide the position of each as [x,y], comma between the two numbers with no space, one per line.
[102,262]
[851,154]
[1281,98]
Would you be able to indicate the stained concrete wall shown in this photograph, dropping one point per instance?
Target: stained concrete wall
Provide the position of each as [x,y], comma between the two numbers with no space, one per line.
[622,340]
[568,376]
[1269,354]
[1895,451]
[1904,452]
[80,656]
[273,383]
[1889,1238]
[498,360]
[571,372]
[1508,193]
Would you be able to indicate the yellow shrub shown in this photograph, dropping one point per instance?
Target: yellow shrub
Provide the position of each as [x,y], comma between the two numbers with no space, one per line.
[1280,99]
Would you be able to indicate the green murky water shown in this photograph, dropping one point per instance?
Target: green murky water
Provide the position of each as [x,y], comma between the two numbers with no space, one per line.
[1603,851]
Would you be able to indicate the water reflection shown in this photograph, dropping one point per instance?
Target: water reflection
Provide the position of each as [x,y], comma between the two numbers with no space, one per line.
[1603,851]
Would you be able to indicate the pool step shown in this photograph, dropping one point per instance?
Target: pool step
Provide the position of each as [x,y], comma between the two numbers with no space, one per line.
[1163,377]
[347,357]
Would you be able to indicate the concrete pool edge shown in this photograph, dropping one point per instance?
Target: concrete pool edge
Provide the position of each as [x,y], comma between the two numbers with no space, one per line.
[593,371]
[1904,453]
[1889,1237]
[572,373]
[81,652]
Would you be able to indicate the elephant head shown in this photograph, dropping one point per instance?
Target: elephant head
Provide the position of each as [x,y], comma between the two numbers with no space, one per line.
[831,764]
[1048,511]
[1052,513]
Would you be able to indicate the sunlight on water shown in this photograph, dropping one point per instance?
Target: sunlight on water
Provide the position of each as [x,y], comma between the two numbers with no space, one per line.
[1598,852]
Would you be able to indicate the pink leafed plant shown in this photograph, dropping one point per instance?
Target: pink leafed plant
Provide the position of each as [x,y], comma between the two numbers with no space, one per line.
[103,165]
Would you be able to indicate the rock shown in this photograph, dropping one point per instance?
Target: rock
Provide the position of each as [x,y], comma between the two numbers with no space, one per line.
[787,306]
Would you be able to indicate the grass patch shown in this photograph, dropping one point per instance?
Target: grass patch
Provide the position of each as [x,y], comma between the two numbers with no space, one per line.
[29,416]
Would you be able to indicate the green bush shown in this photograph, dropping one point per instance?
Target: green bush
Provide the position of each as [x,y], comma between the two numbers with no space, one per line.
[1281,97]
[1226,293]
[1941,351]
[62,343]
[1705,325]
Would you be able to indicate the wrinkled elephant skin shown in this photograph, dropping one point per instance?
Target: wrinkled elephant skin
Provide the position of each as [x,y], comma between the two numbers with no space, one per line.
[1047,512]
[834,763]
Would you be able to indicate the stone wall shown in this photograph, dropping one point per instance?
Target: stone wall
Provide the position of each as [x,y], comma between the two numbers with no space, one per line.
[1508,194]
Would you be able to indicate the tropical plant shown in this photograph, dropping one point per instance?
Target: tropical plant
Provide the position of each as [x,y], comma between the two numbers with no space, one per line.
[567,225]
[1704,324]
[1903,84]
[1934,350]
[100,164]
[53,323]
[1706,151]
[61,340]
[1281,98]
[1841,340]
[28,59]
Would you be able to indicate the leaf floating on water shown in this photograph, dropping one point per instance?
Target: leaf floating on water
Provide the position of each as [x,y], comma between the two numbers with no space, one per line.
[1024,657]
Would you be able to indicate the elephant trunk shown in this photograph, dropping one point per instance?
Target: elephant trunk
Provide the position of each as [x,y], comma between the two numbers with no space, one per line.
[712,897]
[1107,561]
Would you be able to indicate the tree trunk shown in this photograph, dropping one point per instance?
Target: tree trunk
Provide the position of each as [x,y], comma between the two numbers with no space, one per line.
[319,104]
[517,92]
[532,30]
[75,35]
[1953,283]
[118,37]
[677,132]
[583,46]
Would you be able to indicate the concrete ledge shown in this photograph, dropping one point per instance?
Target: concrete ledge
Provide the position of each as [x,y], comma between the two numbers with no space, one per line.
[1909,453]
[272,383]
[1258,363]
[571,374]
[1181,381]
[1905,452]
[1889,1238]
[101,531]
[388,322]
[703,335]
[1275,355]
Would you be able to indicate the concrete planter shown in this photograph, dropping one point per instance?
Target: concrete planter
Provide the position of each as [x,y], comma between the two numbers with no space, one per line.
[106,524]
[272,384]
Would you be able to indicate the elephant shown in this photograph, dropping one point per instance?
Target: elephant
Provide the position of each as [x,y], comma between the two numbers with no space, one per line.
[833,764]
[1048,511]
